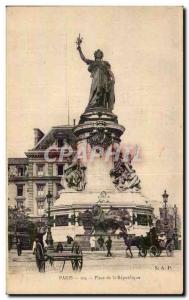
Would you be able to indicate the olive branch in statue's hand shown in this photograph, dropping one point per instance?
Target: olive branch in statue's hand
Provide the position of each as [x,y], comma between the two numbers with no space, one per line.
[79,41]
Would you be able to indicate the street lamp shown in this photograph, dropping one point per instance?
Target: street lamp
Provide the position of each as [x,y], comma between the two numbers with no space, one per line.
[165,200]
[49,239]
[165,197]
[175,229]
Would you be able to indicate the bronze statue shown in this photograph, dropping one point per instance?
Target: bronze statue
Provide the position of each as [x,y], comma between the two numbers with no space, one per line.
[125,177]
[109,221]
[102,86]
[74,176]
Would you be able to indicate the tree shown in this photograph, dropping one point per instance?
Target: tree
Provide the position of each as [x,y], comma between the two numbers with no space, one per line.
[19,221]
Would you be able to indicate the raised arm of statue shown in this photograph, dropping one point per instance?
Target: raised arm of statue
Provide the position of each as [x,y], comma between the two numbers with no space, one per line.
[87,61]
[78,43]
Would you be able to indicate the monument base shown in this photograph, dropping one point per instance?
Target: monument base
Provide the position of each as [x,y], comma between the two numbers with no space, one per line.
[71,205]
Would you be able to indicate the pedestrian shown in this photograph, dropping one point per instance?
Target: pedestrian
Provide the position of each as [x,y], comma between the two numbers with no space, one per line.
[34,247]
[9,242]
[92,243]
[162,239]
[45,245]
[59,247]
[109,246]
[101,243]
[41,237]
[39,255]
[69,240]
[19,246]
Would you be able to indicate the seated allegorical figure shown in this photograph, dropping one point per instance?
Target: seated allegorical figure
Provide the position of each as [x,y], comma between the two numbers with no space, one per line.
[125,177]
[74,176]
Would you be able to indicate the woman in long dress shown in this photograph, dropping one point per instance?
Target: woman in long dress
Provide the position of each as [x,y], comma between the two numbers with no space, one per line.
[102,86]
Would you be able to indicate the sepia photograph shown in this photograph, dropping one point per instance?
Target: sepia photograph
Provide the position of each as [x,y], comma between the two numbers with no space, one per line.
[94,109]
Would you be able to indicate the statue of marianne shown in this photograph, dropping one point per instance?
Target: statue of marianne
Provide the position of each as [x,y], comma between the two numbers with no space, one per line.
[102,86]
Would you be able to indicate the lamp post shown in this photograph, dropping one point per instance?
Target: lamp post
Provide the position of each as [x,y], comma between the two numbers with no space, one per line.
[49,239]
[165,200]
[175,225]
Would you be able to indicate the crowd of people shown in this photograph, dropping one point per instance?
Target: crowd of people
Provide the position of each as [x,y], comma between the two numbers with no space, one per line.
[101,244]
[97,243]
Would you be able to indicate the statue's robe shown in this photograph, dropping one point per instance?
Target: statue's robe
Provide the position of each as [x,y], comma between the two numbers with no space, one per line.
[102,86]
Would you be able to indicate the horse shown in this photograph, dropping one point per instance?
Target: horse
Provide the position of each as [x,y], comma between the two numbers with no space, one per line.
[113,220]
[129,242]
[109,221]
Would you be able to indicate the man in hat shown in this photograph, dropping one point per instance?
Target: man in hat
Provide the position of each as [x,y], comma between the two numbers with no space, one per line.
[109,246]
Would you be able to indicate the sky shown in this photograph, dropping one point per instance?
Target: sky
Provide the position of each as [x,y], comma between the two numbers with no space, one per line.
[144,48]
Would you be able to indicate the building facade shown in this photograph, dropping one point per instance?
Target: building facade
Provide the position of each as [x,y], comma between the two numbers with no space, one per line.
[30,178]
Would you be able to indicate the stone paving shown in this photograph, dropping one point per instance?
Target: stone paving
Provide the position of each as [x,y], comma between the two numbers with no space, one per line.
[97,261]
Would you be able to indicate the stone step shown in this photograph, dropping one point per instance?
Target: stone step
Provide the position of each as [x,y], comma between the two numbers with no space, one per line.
[84,241]
[116,244]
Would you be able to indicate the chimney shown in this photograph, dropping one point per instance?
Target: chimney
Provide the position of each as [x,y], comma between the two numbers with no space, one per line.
[38,134]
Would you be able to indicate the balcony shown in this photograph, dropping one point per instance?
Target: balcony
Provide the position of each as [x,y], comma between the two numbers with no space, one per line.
[17,173]
[20,198]
[40,197]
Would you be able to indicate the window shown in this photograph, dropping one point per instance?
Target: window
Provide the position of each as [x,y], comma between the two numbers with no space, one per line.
[13,171]
[20,190]
[40,170]
[20,171]
[150,221]
[40,204]
[20,204]
[134,218]
[86,219]
[60,170]
[40,190]
[58,187]
[40,207]
[62,220]
[142,219]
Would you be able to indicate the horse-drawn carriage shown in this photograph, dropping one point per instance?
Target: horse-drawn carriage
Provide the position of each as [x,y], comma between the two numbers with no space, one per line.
[73,253]
[155,246]
[151,243]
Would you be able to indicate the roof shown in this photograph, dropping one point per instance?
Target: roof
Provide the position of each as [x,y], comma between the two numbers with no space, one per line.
[18,161]
[48,139]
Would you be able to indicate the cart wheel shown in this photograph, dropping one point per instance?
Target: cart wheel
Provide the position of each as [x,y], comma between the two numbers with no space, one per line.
[158,252]
[77,264]
[143,252]
[74,265]
[63,265]
[153,251]
[80,264]
[170,249]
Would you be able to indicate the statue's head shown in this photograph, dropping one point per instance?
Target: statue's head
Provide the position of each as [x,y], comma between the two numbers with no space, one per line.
[98,54]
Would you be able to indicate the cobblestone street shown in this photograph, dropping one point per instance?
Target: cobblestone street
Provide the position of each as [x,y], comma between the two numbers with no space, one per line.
[96,261]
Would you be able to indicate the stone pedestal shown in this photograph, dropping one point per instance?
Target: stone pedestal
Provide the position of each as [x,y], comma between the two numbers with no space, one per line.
[135,203]
[98,136]
[98,175]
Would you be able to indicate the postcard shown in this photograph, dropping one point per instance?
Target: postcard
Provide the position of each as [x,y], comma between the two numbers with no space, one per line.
[95,150]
